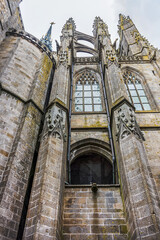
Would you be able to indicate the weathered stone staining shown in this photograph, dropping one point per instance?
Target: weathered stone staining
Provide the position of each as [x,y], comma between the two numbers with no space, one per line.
[62,114]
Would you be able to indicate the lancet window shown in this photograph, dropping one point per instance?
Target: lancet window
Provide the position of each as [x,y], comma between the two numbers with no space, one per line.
[136,91]
[87,94]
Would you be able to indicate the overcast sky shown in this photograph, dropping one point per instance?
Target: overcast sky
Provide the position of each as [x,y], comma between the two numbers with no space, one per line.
[37,14]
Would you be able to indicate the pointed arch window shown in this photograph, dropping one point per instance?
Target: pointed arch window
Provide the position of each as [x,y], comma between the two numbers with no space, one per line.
[136,91]
[87,94]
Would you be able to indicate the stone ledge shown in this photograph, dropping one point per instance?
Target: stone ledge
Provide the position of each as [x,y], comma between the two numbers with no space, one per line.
[90,185]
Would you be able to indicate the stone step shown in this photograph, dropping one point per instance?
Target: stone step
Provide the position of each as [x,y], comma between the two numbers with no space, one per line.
[94,228]
[94,215]
[95,236]
[109,221]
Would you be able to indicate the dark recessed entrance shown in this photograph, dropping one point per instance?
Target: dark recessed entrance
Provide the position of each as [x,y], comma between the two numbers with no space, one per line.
[91,168]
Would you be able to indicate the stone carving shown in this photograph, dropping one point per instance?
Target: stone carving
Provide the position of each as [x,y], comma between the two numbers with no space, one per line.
[70,24]
[86,60]
[111,58]
[63,58]
[145,43]
[131,59]
[137,36]
[126,123]
[99,24]
[55,121]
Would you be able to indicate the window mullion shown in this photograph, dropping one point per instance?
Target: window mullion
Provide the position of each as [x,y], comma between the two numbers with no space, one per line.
[92,96]
[138,95]
[129,92]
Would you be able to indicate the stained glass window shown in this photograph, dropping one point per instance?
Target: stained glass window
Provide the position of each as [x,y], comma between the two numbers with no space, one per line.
[87,94]
[136,91]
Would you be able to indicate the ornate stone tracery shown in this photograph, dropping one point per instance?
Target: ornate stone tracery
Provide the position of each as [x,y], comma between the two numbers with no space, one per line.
[55,123]
[63,58]
[70,24]
[126,123]
[111,58]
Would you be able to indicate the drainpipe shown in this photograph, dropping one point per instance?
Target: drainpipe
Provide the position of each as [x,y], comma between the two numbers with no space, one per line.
[69,123]
[109,123]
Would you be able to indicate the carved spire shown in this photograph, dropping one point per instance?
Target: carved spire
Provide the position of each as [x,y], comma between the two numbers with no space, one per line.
[137,44]
[124,22]
[46,40]
[69,25]
[100,27]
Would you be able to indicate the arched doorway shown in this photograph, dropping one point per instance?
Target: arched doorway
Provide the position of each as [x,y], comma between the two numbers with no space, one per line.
[91,168]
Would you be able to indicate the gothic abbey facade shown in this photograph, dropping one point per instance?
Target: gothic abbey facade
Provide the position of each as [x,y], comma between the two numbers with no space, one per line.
[80,136]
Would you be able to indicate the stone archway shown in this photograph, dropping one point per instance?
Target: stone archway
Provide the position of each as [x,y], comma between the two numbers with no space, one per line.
[91,168]
[91,161]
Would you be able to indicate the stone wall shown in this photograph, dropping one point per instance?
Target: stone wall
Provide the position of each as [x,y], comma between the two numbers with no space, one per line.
[10,16]
[94,216]
[24,78]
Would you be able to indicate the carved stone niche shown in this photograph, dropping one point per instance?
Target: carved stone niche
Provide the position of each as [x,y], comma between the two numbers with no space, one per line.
[126,123]
[55,123]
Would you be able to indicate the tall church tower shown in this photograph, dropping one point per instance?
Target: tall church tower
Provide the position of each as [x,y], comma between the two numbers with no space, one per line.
[79,135]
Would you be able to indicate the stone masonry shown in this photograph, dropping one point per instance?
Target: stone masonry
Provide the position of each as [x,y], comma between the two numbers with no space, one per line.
[89,215]
[66,119]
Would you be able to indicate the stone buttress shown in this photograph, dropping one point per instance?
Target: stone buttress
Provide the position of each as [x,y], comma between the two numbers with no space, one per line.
[138,186]
[44,218]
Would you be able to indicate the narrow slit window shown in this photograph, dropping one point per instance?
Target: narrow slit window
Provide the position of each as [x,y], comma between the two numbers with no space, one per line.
[136,91]
[87,94]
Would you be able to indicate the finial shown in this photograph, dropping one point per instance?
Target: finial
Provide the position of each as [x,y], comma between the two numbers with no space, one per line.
[46,40]
[70,24]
